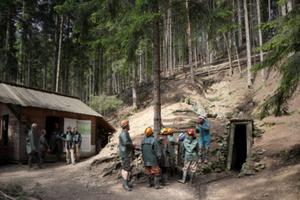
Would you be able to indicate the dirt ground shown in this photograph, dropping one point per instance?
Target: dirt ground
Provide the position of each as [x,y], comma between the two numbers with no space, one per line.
[58,181]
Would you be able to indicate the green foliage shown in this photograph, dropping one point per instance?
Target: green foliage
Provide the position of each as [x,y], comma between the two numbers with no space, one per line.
[277,104]
[105,104]
[284,52]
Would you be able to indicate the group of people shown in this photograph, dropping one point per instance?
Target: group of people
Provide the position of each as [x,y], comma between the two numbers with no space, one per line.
[37,145]
[159,153]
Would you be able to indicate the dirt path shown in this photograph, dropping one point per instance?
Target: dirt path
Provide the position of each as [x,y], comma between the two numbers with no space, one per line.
[58,181]
[283,183]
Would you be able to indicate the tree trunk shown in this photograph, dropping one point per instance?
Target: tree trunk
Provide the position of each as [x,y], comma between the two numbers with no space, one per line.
[289,5]
[54,71]
[228,53]
[156,72]
[141,70]
[284,9]
[240,32]
[134,86]
[170,52]
[189,35]
[248,44]
[260,38]
[59,53]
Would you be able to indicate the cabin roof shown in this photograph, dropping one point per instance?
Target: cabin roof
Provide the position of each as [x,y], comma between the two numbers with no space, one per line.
[30,97]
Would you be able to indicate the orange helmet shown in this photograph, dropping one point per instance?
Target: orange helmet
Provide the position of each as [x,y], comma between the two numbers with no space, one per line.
[170,131]
[148,131]
[191,132]
[124,123]
[164,131]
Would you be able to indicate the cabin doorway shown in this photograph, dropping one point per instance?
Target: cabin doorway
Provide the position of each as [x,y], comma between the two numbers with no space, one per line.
[240,141]
[53,124]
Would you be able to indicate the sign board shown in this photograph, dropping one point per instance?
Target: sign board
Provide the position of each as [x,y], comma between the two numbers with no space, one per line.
[84,127]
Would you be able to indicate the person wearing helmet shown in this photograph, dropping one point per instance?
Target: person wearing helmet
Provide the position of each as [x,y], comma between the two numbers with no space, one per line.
[151,155]
[180,150]
[165,162]
[126,152]
[203,129]
[172,143]
[191,148]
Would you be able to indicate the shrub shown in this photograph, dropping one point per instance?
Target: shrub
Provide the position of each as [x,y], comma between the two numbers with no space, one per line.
[105,104]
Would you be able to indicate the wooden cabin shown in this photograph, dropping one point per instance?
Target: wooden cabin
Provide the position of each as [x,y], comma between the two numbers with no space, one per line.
[21,106]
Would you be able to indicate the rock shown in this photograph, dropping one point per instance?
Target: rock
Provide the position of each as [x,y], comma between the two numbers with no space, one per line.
[258,166]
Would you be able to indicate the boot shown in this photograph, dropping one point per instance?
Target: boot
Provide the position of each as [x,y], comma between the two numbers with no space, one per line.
[150,179]
[192,176]
[183,180]
[126,186]
[156,183]
[164,180]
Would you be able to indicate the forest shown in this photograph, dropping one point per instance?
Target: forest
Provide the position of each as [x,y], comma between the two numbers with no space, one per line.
[92,48]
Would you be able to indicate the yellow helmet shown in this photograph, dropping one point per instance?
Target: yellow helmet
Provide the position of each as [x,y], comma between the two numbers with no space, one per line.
[148,131]
[124,123]
[170,131]
[164,131]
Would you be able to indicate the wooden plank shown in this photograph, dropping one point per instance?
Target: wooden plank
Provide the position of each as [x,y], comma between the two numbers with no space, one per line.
[230,145]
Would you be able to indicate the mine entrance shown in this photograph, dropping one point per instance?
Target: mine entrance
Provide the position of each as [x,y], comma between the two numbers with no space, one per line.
[239,153]
[240,141]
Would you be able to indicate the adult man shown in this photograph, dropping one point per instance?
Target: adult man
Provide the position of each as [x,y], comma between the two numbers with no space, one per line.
[69,147]
[165,162]
[43,146]
[77,143]
[191,149]
[126,152]
[203,129]
[151,155]
[172,146]
[32,145]
[180,150]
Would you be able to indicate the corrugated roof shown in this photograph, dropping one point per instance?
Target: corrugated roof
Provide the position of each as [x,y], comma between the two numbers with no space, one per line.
[27,97]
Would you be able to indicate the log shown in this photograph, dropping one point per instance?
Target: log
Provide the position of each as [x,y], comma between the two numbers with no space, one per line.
[7,196]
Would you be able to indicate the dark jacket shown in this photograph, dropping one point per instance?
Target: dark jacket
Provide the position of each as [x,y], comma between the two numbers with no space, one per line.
[150,151]
[165,148]
[172,143]
[68,139]
[125,145]
[77,138]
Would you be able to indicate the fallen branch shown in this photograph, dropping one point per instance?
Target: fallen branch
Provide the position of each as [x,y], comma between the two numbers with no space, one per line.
[103,160]
[7,196]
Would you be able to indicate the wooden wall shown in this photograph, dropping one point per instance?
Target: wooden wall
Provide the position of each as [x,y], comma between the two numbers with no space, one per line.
[11,151]
[18,127]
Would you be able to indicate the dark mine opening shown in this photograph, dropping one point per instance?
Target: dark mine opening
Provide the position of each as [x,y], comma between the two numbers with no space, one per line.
[239,147]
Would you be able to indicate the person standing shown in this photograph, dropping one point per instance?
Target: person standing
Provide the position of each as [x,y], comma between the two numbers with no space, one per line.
[172,147]
[77,139]
[191,149]
[151,155]
[32,145]
[126,152]
[165,162]
[43,146]
[203,129]
[69,147]
[180,150]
